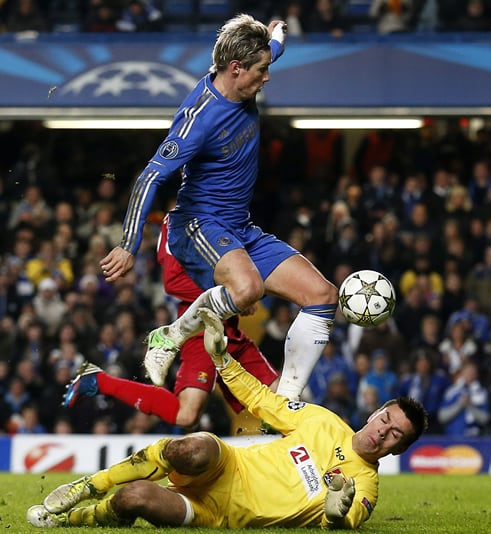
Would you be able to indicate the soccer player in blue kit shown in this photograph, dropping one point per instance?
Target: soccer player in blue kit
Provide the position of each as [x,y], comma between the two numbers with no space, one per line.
[214,141]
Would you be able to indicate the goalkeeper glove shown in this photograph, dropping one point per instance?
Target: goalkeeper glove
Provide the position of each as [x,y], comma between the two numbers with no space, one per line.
[339,497]
[214,338]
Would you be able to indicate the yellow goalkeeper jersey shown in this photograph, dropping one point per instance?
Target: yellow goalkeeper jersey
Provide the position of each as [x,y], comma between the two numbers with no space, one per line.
[284,482]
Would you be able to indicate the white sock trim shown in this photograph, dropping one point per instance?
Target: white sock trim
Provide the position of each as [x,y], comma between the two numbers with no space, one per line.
[189,511]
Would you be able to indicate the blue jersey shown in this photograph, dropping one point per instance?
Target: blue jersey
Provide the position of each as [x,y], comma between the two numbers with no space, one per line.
[215,142]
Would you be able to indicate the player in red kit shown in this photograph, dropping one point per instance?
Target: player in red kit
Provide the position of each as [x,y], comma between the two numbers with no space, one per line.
[196,376]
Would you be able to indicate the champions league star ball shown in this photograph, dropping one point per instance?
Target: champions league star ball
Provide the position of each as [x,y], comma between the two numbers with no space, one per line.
[367,298]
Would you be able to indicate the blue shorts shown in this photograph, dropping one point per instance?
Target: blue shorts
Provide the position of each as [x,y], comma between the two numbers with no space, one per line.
[201,243]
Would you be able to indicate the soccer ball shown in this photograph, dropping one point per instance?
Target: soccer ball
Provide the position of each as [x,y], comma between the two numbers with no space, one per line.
[367,298]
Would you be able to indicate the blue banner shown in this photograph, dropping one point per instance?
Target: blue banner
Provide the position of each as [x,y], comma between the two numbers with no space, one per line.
[5,453]
[158,71]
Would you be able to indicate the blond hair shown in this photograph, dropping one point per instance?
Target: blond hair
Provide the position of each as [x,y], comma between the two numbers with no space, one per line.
[242,38]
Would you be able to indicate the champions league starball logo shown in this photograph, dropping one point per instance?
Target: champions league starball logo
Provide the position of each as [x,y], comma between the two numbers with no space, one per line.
[125,78]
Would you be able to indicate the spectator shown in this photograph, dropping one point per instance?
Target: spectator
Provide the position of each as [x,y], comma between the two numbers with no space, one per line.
[426,384]
[384,336]
[16,396]
[32,343]
[33,381]
[419,224]
[392,16]
[475,19]
[409,313]
[326,18]
[458,345]
[367,400]
[476,238]
[293,18]
[102,16]
[108,347]
[459,206]
[465,409]
[48,306]
[421,268]
[380,376]
[26,16]
[62,425]
[331,363]
[275,330]
[50,399]
[478,282]
[28,422]
[32,210]
[453,295]
[436,197]
[348,247]
[139,16]
[480,184]
[378,193]
[338,397]
[48,264]
[478,323]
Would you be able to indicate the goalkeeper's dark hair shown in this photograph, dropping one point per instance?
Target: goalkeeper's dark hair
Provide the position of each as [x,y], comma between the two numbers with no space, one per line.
[415,412]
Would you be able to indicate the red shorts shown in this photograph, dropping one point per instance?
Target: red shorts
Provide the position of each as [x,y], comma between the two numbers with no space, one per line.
[196,370]
[176,282]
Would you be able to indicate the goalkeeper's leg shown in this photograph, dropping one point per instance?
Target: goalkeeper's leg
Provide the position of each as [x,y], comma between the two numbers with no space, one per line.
[188,455]
[149,463]
[152,502]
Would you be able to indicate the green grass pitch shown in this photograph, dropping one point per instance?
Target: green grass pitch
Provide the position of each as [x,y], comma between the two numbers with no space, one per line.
[409,503]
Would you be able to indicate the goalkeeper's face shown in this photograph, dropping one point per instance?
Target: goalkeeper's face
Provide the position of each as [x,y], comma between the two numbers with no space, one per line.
[386,432]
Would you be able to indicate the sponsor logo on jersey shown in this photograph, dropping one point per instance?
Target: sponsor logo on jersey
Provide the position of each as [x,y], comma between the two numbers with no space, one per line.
[169,150]
[307,470]
[339,453]
[203,377]
[329,475]
[295,405]
[224,133]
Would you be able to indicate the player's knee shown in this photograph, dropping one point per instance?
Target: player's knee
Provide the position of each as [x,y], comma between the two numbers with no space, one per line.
[330,293]
[247,293]
[323,292]
[130,500]
[193,454]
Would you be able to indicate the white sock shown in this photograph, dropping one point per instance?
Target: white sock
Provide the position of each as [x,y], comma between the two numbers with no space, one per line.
[304,344]
[189,324]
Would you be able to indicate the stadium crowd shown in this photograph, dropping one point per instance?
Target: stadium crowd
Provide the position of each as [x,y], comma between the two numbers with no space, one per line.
[414,205]
[332,17]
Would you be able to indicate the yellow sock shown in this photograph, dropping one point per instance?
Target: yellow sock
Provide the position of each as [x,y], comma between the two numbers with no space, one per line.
[100,514]
[146,464]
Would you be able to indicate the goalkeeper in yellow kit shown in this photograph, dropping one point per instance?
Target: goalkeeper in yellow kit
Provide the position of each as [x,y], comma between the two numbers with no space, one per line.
[320,473]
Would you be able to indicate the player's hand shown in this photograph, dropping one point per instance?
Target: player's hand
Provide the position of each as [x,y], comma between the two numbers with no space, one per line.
[116,264]
[278,30]
[214,338]
[339,497]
